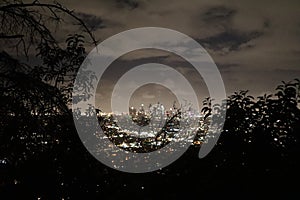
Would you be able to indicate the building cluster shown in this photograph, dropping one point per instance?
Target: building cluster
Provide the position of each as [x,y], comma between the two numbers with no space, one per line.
[147,129]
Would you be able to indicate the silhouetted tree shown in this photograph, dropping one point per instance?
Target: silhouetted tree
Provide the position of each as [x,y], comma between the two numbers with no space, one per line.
[36,120]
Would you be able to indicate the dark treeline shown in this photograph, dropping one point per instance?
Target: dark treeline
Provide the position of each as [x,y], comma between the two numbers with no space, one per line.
[42,156]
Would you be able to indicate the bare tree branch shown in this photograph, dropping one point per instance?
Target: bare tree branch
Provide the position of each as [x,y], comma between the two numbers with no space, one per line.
[51,7]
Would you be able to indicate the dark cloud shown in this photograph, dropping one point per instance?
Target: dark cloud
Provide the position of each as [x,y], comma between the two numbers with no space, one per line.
[92,21]
[121,66]
[267,23]
[230,40]
[217,14]
[129,4]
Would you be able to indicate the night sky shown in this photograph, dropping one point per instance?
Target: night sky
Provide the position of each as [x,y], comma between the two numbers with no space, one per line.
[255,44]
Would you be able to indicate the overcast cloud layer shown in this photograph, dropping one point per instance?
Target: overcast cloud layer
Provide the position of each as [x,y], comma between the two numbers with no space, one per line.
[254,43]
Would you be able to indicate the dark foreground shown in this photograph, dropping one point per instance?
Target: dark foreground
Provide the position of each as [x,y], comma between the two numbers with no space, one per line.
[247,172]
